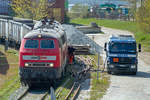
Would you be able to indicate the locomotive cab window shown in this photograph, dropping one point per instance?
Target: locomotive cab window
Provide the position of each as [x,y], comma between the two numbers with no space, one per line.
[47,44]
[31,44]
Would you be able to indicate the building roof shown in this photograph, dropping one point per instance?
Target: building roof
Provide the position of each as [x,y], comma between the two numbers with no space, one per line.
[108,5]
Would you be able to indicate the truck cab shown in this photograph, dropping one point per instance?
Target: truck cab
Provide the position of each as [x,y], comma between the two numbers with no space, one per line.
[122,54]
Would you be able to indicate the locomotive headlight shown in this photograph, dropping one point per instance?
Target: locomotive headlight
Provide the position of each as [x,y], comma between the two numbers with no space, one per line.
[26,64]
[51,64]
[39,36]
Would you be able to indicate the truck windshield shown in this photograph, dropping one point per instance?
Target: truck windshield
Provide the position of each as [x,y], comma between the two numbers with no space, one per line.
[47,44]
[123,47]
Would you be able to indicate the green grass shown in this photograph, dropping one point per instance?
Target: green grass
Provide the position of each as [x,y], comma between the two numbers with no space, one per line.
[9,80]
[9,87]
[141,37]
[107,23]
[100,85]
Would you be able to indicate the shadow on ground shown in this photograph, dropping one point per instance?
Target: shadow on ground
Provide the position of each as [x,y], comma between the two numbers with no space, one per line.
[139,74]
[74,24]
[4,66]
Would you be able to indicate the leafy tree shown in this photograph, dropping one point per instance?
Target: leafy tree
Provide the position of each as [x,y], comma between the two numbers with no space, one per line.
[21,7]
[143,17]
[35,9]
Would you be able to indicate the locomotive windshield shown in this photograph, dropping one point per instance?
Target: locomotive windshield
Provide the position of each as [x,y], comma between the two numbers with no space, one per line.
[123,47]
[31,44]
[47,44]
[44,44]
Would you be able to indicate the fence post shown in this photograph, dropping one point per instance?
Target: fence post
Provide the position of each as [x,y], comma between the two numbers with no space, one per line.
[6,35]
[98,66]
[6,44]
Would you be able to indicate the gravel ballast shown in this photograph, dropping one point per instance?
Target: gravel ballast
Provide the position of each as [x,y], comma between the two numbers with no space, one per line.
[74,36]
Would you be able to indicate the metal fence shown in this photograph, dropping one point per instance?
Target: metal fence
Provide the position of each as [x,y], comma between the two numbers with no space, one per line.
[12,31]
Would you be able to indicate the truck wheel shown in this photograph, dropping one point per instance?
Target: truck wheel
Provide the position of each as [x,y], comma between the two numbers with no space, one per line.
[109,72]
[134,73]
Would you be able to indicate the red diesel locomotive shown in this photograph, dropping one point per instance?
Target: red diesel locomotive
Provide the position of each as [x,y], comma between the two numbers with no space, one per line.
[43,53]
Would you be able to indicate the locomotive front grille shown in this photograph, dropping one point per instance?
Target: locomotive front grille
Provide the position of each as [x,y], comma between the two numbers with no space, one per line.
[38,64]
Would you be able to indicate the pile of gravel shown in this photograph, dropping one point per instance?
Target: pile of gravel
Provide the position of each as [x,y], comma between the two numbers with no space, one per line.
[76,37]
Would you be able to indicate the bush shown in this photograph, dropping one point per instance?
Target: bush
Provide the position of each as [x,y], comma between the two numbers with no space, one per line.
[78,11]
[143,17]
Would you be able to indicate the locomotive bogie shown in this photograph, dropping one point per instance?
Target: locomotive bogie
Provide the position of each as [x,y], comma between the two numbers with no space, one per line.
[39,74]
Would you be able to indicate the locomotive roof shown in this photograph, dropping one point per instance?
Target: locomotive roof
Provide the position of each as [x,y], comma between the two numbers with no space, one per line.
[53,30]
[44,34]
[48,24]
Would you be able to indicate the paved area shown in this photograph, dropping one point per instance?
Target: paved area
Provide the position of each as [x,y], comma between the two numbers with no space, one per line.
[127,87]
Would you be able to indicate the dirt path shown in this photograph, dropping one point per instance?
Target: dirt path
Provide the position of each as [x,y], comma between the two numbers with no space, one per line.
[127,87]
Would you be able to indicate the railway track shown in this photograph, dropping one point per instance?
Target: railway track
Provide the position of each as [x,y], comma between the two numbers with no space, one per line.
[61,89]
[75,89]
[25,91]
[27,94]
[87,65]
[78,76]
[72,94]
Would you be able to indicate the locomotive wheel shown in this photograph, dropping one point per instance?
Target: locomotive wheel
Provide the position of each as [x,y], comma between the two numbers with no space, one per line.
[23,83]
[63,73]
[133,73]
[29,84]
[109,72]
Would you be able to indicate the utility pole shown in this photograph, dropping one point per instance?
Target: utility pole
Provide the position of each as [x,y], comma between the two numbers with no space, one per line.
[98,66]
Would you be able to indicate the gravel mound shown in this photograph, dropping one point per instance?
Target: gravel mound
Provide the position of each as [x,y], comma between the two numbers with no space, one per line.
[76,37]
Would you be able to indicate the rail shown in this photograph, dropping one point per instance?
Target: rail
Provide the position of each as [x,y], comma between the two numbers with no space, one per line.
[75,89]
